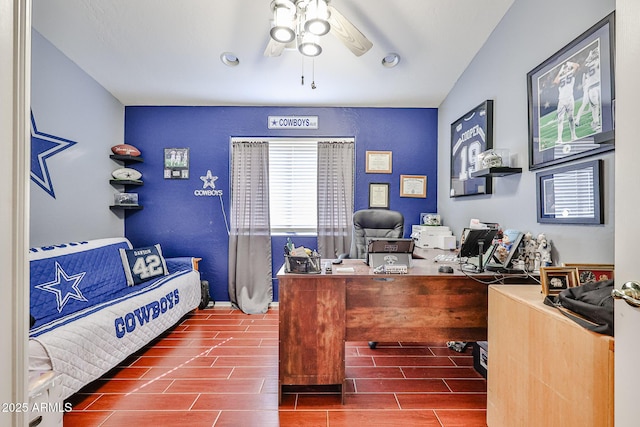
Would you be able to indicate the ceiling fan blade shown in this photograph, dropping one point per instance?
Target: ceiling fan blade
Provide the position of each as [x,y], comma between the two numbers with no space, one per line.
[348,34]
[274,48]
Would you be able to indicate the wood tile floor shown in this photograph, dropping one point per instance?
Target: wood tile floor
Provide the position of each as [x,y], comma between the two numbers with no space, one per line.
[219,367]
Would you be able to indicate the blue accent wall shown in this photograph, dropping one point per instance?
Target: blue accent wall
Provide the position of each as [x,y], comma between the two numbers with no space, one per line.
[185,224]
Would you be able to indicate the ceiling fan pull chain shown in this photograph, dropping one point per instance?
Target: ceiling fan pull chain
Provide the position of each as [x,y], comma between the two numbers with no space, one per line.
[313,73]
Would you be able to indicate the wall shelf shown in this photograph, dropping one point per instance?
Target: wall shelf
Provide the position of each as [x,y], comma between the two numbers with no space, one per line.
[126,207]
[126,159]
[124,182]
[498,171]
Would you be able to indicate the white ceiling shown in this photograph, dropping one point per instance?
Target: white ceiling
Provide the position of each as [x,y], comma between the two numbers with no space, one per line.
[167,52]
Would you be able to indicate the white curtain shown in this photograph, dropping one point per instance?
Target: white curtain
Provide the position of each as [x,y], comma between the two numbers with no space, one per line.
[335,197]
[250,283]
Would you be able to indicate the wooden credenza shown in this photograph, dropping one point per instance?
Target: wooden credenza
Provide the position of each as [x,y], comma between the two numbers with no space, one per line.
[544,369]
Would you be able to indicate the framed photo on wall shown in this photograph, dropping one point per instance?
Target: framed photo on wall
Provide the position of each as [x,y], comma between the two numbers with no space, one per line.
[378,161]
[176,163]
[571,99]
[379,195]
[413,186]
[471,134]
[570,194]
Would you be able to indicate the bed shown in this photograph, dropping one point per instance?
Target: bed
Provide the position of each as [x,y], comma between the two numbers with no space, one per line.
[88,313]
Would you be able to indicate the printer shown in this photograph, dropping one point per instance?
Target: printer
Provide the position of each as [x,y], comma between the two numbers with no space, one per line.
[433,237]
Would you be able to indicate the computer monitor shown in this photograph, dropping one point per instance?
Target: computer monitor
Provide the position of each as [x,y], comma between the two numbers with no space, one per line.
[477,245]
[471,238]
[388,245]
[498,264]
[386,250]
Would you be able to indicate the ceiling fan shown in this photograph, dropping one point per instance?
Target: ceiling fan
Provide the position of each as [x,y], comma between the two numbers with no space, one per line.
[299,24]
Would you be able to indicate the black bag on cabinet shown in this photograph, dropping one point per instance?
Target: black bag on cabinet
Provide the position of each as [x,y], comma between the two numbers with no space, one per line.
[592,302]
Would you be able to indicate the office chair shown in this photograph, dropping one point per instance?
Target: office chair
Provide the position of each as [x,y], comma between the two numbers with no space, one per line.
[374,223]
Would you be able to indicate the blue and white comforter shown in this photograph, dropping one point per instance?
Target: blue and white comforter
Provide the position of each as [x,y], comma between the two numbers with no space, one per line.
[88,320]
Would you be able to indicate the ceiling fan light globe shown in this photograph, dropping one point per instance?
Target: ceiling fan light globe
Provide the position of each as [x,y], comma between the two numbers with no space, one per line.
[284,22]
[317,26]
[310,49]
[282,34]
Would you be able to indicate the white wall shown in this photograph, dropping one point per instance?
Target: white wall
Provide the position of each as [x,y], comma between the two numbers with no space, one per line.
[68,103]
[529,33]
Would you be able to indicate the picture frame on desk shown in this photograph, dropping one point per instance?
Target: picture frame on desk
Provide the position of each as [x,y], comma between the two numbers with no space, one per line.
[592,272]
[471,135]
[556,279]
[570,194]
[379,195]
[580,74]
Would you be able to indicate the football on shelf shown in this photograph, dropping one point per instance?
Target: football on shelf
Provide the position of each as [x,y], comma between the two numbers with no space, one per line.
[126,174]
[125,150]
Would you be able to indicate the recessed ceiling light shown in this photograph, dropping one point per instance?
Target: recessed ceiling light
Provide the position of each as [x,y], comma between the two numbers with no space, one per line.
[229,59]
[391,60]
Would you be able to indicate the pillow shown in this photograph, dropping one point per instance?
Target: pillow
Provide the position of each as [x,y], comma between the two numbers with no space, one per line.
[142,264]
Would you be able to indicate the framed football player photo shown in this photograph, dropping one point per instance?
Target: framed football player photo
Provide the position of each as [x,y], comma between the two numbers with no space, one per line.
[176,163]
[571,99]
[471,134]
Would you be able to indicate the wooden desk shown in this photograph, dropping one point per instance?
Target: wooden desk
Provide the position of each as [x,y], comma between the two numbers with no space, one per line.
[544,369]
[319,312]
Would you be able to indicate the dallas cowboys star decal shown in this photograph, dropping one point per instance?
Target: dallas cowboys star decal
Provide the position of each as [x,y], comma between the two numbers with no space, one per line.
[209,180]
[64,287]
[43,146]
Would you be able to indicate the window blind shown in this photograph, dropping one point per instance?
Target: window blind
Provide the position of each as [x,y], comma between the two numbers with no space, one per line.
[573,194]
[293,171]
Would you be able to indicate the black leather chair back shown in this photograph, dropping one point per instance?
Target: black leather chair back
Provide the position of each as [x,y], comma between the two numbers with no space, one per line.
[374,223]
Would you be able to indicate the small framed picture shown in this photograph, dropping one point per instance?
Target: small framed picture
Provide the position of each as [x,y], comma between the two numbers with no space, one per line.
[176,163]
[571,194]
[430,218]
[126,199]
[556,279]
[592,272]
[413,186]
[379,195]
[378,162]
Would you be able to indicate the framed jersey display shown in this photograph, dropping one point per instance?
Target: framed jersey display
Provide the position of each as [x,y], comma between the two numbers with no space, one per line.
[572,100]
[471,134]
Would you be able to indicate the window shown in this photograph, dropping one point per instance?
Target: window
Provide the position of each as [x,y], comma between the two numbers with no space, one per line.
[293,183]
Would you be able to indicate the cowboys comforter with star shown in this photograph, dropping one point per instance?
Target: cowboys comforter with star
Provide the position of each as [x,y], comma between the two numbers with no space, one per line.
[88,320]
